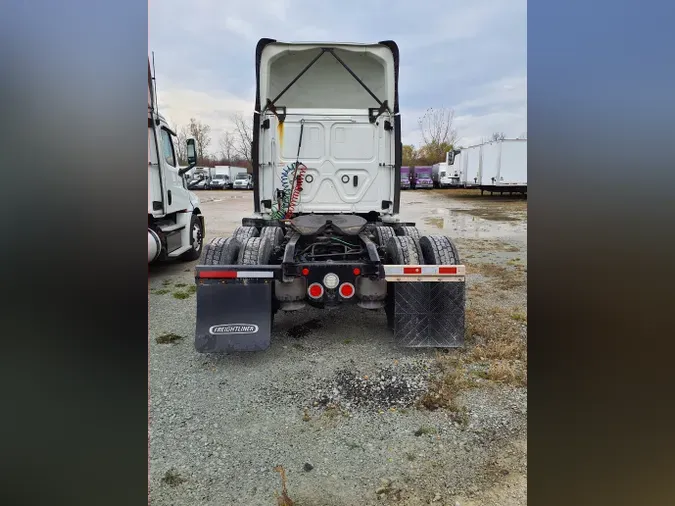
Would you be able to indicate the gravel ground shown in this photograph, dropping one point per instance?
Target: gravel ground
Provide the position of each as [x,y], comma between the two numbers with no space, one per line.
[333,399]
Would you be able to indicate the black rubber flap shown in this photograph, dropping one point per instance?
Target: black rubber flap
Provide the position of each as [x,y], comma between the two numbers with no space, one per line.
[429,315]
[233,315]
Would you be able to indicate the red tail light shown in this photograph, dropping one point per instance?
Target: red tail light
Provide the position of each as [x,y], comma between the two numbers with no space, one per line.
[315,290]
[357,271]
[305,271]
[347,290]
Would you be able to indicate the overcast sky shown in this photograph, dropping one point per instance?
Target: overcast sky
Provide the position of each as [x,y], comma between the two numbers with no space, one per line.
[469,55]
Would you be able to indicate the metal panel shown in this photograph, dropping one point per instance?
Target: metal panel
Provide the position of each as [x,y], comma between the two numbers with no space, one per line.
[429,314]
[491,155]
[473,165]
[513,166]
[350,161]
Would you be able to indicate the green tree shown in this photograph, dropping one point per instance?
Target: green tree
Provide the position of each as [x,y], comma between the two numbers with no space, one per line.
[433,152]
[409,155]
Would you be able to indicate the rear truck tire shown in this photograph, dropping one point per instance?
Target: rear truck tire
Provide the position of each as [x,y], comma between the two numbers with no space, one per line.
[404,250]
[242,234]
[383,234]
[400,250]
[221,251]
[274,234]
[439,250]
[196,239]
[409,232]
[255,251]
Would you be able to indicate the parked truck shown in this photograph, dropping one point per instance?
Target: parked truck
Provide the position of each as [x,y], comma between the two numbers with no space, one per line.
[446,174]
[405,178]
[175,221]
[421,177]
[326,229]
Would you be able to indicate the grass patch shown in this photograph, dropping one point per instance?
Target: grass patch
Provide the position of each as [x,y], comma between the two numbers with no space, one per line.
[159,291]
[180,285]
[434,222]
[424,430]
[495,344]
[166,282]
[172,478]
[168,338]
[519,317]
[504,278]
[184,294]
[347,341]
[510,372]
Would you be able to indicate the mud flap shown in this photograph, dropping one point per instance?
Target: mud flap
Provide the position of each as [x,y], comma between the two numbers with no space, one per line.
[233,314]
[429,314]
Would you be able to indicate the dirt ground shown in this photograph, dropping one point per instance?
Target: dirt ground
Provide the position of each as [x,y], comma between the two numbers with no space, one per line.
[220,424]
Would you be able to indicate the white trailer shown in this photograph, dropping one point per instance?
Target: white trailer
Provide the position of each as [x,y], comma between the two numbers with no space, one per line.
[470,163]
[175,222]
[504,166]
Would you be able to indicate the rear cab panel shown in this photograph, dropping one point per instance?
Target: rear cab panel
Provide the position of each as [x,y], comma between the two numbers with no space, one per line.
[324,120]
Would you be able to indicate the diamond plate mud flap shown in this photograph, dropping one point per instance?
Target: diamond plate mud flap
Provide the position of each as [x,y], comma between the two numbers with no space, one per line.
[234,309]
[428,307]
[429,314]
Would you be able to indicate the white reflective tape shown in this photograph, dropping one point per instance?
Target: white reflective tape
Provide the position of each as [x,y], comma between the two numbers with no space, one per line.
[255,274]
[423,270]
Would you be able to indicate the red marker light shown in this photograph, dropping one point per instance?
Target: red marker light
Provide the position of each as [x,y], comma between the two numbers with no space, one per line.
[412,270]
[447,270]
[315,290]
[347,290]
[305,271]
[357,271]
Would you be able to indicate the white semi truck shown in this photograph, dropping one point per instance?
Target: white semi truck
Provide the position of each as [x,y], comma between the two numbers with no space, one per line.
[175,222]
[325,229]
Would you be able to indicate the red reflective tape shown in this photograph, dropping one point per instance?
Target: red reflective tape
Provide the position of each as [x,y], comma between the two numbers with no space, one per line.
[218,274]
[412,270]
[447,270]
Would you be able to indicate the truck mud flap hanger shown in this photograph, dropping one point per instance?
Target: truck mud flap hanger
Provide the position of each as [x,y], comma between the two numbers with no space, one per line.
[235,306]
[280,112]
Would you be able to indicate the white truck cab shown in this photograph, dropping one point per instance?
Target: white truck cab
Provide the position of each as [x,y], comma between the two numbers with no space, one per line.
[175,221]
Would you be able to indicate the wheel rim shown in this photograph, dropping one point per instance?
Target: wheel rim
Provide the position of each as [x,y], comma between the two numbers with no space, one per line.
[196,237]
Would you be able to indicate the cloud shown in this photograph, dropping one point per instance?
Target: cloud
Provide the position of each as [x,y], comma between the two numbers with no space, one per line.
[466,55]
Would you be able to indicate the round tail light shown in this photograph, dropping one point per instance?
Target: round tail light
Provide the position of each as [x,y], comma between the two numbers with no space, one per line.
[315,291]
[347,290]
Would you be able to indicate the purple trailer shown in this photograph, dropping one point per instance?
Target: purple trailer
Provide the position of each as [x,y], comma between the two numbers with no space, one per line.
[405,178]
[422,178]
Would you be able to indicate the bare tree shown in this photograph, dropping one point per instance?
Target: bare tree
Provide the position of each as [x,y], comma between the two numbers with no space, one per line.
[201,132]
[243,137]
[498,136]
[183,134]
[436,126]
[227,147]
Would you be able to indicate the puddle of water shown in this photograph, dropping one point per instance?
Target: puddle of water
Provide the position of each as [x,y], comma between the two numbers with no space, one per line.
[489,214]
